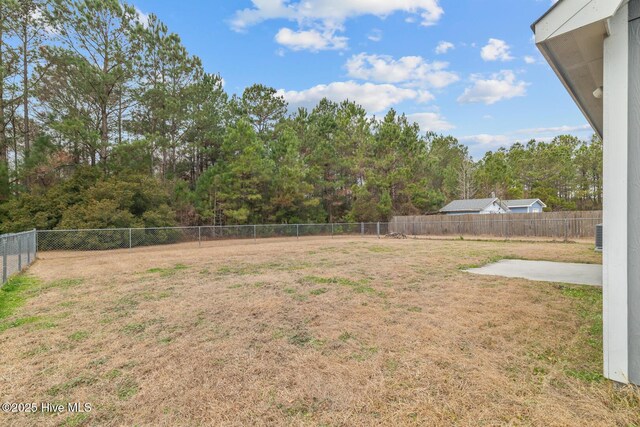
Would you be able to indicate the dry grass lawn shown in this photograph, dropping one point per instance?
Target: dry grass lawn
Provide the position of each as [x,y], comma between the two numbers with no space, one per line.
[311,332]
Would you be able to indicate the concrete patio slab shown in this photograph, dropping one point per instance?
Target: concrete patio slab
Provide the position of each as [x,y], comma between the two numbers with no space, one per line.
[544,271]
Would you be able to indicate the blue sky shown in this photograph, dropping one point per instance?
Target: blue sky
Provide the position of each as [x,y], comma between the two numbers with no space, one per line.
[468,68]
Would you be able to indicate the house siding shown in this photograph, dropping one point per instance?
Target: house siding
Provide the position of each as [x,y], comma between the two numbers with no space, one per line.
[535,208]
[462,213]
[634,192]
[616,202]
[495,208]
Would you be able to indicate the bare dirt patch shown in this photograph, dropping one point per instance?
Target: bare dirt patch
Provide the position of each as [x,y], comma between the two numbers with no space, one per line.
[317,332]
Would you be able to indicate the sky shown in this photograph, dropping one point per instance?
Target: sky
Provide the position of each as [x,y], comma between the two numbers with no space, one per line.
[468,68]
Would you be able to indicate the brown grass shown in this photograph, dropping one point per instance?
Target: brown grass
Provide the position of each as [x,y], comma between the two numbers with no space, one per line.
[310,332]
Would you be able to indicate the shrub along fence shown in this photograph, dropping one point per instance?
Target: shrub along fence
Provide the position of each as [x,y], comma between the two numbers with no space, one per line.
[556,225]
[18,251]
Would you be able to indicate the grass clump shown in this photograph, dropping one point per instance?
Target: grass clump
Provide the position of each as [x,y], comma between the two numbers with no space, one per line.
[134,328]
[166,272]
[20,322]
[360,286]
[345,336]
[37,351]
[125,304]
[113,374]
[71,384]
[380,249]
[127,389]
[586,361]
[15,292]
[75,420]
[79,336]
[65,283]
[13,295]
[365,353]
[586,376]
[305,339]
[240,270]
[155,296]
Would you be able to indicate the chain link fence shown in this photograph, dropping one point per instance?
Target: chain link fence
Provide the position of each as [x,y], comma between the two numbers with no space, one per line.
[492,226]
[128,238]
[18,252]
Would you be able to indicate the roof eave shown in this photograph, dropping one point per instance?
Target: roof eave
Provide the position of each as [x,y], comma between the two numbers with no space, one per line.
[529,205]
[533,26]
[553,62]
[575,18]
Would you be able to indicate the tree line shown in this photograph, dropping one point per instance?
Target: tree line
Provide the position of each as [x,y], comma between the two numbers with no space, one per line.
[106,120]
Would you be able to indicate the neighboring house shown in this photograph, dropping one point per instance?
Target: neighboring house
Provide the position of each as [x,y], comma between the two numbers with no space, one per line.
[525,205]
[475,206]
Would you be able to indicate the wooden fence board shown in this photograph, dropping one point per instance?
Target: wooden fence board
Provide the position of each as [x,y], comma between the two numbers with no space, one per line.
[557,225]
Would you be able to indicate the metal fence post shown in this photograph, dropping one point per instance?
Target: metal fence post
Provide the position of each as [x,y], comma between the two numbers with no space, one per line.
[199,236]
[255,233]
[19,254]
[28,250]
[362,229]
[332,230]
[35,242]
[378,229]
[4,260]
[298,231]
[130,241]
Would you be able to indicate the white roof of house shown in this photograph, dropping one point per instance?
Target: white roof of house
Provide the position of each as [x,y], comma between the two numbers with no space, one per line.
[470,205]
[571,38]
[523,203]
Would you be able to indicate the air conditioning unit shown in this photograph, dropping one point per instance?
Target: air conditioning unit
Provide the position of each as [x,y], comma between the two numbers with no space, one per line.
[599,239]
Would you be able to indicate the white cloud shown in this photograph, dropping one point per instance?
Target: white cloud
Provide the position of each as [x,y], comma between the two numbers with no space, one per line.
[333,12]
[409,70]
[496,50]
[431,122]
[498,87]
[312,40]
[374,98]
[143,18]
[375,35]
[543,134]
[486,140]
[557,129]
[322,17]
[529,59]
[38,16]
[443,47]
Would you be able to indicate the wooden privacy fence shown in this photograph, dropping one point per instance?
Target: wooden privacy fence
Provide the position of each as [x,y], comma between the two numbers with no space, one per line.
[557,225]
